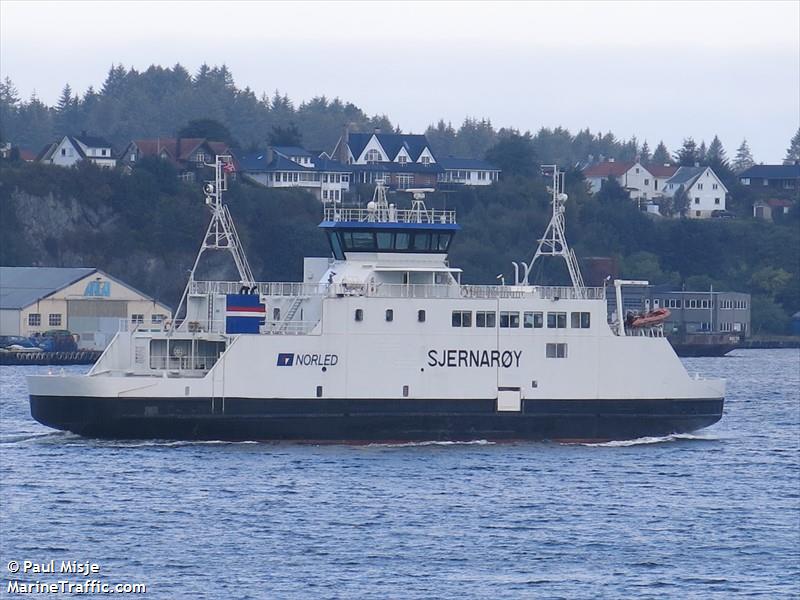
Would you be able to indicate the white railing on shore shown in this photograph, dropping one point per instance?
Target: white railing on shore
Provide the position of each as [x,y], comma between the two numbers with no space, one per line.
[397,290]
[390,215]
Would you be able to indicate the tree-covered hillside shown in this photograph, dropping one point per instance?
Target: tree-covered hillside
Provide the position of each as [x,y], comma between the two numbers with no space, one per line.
[145,228]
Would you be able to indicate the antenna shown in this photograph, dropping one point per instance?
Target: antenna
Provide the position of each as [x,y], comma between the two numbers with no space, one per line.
[554,241]
[221,233]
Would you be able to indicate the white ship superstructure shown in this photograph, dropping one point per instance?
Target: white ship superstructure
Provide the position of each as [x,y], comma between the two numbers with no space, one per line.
[382,341]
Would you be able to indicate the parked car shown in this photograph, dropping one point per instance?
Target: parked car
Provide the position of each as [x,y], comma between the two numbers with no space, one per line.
[56,340]
[16,343]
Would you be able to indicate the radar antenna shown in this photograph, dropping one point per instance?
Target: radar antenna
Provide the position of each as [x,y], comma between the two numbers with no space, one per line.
[221,233]
[554,241]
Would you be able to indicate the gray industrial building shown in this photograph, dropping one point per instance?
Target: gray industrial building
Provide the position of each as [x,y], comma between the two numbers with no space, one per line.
[690,311]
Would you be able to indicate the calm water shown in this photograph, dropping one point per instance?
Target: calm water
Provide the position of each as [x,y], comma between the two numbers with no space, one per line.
[716,515]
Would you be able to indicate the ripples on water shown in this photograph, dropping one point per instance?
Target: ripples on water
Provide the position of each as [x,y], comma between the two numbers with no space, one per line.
[715,514]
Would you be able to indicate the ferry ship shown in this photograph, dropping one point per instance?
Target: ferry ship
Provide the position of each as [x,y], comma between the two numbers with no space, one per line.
[382,341]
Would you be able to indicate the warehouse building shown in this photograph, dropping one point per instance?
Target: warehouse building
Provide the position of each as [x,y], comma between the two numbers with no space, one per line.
[86,301]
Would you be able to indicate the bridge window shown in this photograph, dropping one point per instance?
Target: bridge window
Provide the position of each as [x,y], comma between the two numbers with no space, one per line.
[401,241]
[462,318]
[509,320]
[384,240]
[580,320]
[422,241]
[486,319]
[556,351]
[556,320]
[533,320]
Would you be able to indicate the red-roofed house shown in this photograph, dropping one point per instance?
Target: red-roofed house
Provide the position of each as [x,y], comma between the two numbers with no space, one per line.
[187,155]
[631,175]
[766,209]
[660,175]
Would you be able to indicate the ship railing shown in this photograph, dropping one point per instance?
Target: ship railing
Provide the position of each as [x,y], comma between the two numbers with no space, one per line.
[390,215]
[164,362]
[397,290]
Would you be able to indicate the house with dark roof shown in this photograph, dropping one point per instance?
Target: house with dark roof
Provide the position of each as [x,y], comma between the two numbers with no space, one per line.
[401,160]
[87,301]
[660,173]
[767,209]
[71,149]
[705,190]
[466,171]
[784,177]
[188,155]
[295,167]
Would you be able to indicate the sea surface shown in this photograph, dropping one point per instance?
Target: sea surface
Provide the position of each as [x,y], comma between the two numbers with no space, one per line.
[710,515]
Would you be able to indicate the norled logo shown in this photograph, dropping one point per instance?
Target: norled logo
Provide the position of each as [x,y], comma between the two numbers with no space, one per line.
[288,359]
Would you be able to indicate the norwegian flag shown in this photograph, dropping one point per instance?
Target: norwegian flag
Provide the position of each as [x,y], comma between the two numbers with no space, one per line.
[229,167]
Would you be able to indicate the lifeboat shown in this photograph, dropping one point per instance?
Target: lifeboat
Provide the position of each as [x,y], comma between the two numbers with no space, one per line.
[654,317]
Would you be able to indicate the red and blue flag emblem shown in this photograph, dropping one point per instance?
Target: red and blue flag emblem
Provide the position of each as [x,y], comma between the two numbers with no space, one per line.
[244,313]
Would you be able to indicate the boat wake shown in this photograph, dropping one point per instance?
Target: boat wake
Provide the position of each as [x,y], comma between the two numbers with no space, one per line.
[34,437]
[643,441]
[430,443]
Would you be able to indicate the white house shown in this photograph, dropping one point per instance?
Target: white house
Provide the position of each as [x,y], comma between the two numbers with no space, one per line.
[71,149]
[467,171]
[660,173]
[88,302]
[705,190]
[291,166]
[631,175]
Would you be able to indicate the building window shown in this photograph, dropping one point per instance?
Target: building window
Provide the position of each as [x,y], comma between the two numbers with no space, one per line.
[581,320]
[201,157]
[405,181]
[54,320]
[425,160]
[745,180]
[509,319]
[34,320]
[533,320]
[637,170]
[373,156]
[157,318]
[556,320]
[556,351]
[699,186]
[105,152]
[697,213]
[402,159]
[462,318]
[672,302]
[389,315]
[714,186]
[485,318]
[421,316]
[716,200]
[647,182]
[359,314]
[697,200]
[63,152]
[137,318]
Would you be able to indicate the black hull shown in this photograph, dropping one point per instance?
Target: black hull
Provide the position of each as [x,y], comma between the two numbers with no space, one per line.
[336,420]
[698,350]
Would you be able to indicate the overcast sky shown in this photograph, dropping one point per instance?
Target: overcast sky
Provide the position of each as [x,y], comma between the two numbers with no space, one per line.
[654,70]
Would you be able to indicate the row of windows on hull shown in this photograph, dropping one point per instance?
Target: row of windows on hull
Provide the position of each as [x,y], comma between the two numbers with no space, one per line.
[530,319]
[387,241]
[508,319]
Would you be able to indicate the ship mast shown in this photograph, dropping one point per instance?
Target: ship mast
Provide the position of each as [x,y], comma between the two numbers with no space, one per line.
[554,241]
[221,233]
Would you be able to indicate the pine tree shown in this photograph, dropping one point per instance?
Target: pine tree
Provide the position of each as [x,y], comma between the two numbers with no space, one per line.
[716,153]
[661,155]
[744,158]
[702,152]
[688,155]
[644,155]
[793,151]
[65,101]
